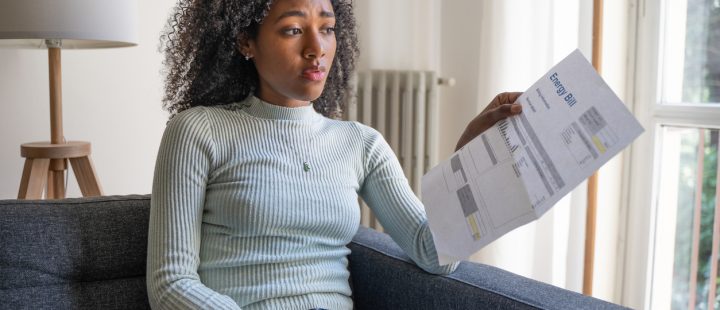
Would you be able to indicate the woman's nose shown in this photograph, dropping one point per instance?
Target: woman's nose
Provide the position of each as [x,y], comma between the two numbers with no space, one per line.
[314,47]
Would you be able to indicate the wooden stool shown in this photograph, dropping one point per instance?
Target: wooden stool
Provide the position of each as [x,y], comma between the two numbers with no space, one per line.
[45,164]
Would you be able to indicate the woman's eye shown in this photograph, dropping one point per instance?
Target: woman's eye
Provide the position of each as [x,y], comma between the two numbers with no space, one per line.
[330,30]
[292,31]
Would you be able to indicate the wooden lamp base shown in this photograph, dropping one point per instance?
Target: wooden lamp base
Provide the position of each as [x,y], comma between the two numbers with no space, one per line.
[46,162]
[45,165]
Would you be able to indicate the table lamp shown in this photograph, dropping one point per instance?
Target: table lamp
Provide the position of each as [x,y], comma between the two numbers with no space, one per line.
[56,25]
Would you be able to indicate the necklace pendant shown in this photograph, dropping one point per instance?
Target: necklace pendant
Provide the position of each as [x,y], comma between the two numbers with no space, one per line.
[306,167]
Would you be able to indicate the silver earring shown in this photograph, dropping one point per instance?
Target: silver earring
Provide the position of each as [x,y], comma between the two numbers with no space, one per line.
[247,57]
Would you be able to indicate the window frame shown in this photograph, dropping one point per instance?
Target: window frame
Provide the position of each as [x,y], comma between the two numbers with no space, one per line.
[642,174]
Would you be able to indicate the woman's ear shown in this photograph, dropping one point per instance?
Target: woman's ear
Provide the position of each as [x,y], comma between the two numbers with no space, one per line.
[245,47]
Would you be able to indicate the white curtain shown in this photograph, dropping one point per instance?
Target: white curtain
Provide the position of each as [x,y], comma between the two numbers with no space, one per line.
[491,46]
[520,41]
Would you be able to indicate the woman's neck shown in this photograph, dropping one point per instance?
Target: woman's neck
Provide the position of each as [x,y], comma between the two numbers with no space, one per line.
[257,107]
[278,99]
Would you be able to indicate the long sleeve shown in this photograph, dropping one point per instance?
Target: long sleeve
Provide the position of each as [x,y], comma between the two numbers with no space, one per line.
[386,191]
[181,173]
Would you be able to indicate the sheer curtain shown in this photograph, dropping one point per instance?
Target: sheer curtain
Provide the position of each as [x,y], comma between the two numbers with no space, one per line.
[491,46]
[520,41]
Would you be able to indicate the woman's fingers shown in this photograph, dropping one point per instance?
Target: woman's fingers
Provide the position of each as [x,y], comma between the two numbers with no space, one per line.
[502,98]
[508,97]
[489,118]
[501,107]
[503,111]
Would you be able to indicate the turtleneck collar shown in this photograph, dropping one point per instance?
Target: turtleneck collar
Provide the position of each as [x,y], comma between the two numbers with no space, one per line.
[254,106]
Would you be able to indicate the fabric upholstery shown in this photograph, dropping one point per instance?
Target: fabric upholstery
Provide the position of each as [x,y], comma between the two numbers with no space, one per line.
[396,283]
[90,253]
[74,253]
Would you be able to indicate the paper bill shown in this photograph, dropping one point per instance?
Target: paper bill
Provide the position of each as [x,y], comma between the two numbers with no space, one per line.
[572,123]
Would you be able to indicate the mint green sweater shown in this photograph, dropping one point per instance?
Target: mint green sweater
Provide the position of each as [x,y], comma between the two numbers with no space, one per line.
[253,205]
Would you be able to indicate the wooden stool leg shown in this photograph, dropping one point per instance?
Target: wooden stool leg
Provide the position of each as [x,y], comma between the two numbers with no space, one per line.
[56,184]
[85,174]
[56,178]
[34,178]
[59,180]
[50,188]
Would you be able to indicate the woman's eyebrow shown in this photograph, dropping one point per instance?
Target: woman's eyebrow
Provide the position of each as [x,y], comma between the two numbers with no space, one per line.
[327,14]
[324,14]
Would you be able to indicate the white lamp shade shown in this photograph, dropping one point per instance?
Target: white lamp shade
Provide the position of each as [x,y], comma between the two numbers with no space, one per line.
[78,23]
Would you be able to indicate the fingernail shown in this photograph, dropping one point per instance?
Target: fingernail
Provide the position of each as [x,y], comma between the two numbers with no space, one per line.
[516,108]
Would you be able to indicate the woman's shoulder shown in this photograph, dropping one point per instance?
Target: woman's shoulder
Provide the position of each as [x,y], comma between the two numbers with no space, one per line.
[188,118]
[207,113]
[198,119]
[365,135]
[365,131]
[351,127]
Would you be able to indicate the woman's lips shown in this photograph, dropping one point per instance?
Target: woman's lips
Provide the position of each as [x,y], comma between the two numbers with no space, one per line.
[314,74]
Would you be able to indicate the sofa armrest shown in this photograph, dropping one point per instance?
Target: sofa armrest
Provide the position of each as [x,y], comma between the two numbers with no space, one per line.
[383,277]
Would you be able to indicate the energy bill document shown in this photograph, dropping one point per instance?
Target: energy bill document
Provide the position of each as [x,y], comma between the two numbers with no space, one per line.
[571,124]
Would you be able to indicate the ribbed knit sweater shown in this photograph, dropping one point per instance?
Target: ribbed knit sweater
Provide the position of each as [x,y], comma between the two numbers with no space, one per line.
[253,205]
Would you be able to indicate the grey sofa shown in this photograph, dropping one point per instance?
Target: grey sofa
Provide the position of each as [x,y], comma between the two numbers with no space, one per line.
[89,253]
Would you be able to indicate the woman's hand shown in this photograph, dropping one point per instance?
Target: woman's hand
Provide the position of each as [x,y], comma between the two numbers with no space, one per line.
[499,108]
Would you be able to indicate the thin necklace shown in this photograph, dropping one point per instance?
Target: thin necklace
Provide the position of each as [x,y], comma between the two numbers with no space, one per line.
[305,154]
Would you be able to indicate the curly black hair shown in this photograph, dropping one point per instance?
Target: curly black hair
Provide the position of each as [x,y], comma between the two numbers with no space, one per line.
[203,66]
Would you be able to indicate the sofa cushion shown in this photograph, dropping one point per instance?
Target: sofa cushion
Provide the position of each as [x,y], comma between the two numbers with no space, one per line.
[397,283]
[79,253]
[124,293]
[384,277]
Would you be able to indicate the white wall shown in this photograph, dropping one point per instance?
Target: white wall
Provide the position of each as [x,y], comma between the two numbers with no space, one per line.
[461,21]
[398,34]
[110,98]
[425,35]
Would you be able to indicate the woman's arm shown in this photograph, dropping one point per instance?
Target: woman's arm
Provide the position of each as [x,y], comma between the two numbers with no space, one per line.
[387,192]
[181,173]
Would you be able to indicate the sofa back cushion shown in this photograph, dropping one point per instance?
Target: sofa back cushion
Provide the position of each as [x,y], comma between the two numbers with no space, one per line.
[74,253]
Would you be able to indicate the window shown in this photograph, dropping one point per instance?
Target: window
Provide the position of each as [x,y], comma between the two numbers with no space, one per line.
[671,257]
[691,52]
[685,267]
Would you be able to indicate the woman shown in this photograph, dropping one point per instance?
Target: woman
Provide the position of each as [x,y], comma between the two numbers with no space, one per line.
[255,192]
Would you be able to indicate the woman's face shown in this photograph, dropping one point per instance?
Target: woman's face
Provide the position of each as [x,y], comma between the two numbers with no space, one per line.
[294,51]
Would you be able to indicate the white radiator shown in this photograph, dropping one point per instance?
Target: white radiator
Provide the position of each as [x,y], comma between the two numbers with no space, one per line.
[403,107]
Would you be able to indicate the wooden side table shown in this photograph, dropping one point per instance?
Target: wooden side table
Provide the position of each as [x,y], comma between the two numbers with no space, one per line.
[45,165]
